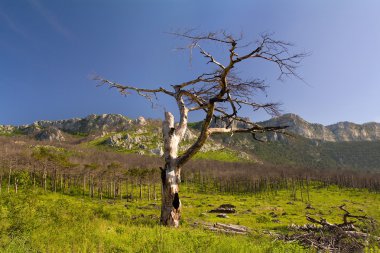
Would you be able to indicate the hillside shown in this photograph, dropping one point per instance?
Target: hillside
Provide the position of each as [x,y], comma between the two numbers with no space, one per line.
[300,151]
[115,132]
[341,145]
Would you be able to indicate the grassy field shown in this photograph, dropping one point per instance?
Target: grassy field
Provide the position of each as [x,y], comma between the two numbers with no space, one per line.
[37,221]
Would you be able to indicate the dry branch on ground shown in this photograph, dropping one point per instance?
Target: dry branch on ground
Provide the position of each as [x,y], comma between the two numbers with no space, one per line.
[332,237]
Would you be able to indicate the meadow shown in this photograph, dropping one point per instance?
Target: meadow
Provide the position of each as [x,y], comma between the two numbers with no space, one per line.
[35,220]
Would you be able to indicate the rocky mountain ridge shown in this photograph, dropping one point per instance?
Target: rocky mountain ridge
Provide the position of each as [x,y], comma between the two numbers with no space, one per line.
[114,131]
[52,130]
[344,144]
[339,132]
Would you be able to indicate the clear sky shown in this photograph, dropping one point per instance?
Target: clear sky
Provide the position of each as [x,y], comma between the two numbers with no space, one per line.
[49,48]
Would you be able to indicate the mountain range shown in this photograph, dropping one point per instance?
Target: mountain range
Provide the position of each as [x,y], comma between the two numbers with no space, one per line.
[344,144]
[341,131]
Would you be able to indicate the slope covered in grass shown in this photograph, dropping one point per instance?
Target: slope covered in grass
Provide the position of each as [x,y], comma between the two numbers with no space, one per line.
[303,152]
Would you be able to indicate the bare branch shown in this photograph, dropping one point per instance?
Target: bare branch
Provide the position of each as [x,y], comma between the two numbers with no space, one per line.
[125,90]
[221,36]
[256,129]
[202,78]
[212,59]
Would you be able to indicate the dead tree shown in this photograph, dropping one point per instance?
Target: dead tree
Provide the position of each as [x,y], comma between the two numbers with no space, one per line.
[219,94]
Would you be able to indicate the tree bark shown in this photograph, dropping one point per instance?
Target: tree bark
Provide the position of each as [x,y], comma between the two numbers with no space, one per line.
[171,173]
[171,205]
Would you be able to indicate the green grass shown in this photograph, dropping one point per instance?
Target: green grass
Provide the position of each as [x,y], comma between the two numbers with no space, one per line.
[34,221]
[260,211]
[79,134]
[224,155]
[14,132]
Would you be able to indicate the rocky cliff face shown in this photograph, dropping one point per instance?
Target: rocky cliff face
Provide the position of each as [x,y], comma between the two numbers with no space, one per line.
[342,131]
[347,131]
[50,134]
[92,123]
[52,130]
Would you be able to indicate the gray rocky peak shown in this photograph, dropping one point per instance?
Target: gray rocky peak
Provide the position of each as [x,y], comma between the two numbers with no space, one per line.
[114,140]
[141,121]
[342,131]
[50,134]
[157,151]
[91,123]
[347,131]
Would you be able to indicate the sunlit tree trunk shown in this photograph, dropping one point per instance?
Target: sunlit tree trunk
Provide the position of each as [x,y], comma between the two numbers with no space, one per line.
[171,173]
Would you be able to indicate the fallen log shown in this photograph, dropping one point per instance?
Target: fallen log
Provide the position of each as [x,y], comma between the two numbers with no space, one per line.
[237,228]
[224,228]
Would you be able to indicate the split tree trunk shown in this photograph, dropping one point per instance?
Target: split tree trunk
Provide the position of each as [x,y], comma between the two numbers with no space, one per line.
[170,174]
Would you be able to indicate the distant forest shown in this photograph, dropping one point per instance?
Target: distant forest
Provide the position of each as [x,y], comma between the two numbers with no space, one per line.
[103,174]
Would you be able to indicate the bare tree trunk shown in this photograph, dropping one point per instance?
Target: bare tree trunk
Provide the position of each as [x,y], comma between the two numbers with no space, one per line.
[120,189]
[154,191]
[61,183]
[101,188]
[55,180]
[16,186]
[307,189]
[171,205]
[84,184]
[89,186]
[148,191]
[92,187]
[9,180]
[44,177]
[170,174]
[114,188]
[34,178]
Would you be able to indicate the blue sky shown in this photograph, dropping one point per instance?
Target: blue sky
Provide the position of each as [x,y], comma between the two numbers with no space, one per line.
[49,48]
